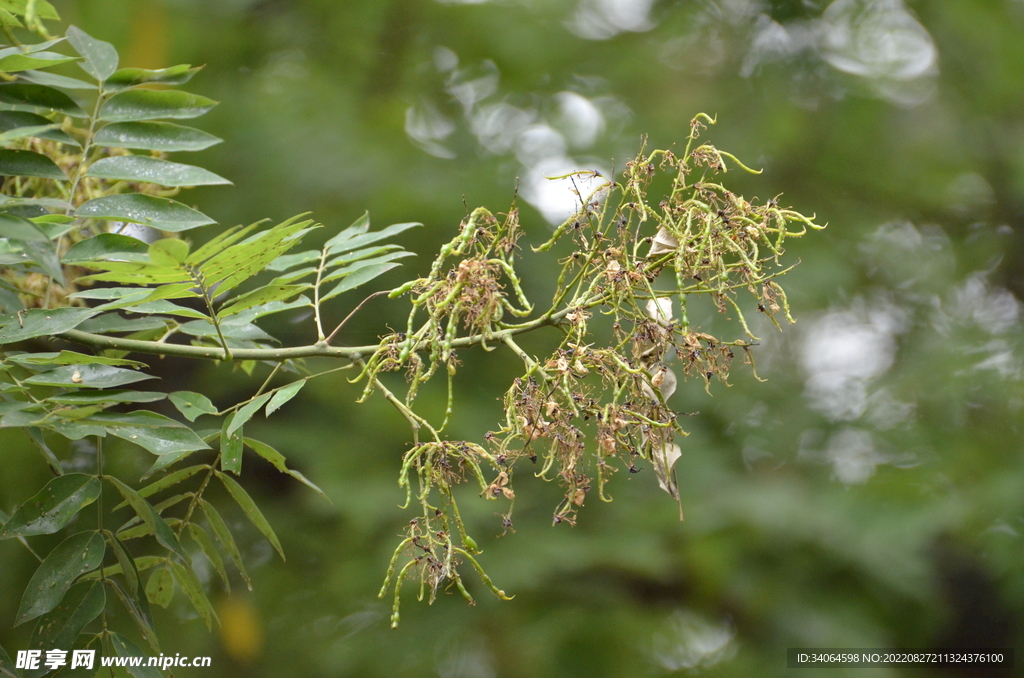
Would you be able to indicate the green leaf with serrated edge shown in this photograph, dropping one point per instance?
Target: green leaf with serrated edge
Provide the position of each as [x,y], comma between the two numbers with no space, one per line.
[245,413]
[54,80]
[88,376]
[355,266]
[160,213]
[43,9]
[41,322]
[28,164]
[144,169]
[193,590]
[159,441]
[277,459]
[19,96]
[6,665]
[148,104]
[208,548]
[163,533]
[360,277]
[260,296]
[223,534]
[17,120]
[71,358]
[250,510]
[59,628]
[112,322]
[100,57]
[12,63]
[53,506]
[125,560]
[106,246]
[191,404]
[169,480]
[284,395]
[337,244]
[154,136]
[160,587]
[231,446]
[283,263]
[74,556]
[132,77]
[126,648]
[109,397]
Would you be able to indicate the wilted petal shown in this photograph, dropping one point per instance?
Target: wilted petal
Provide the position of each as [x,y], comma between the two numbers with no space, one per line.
[660,310]
[664,241]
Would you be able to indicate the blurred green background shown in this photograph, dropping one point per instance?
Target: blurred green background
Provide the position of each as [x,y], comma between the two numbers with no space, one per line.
[870,494]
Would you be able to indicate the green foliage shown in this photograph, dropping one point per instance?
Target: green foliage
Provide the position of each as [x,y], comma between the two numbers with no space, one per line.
[594,404]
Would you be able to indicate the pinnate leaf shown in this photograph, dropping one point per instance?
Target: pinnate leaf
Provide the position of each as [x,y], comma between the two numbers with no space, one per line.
[76,555]
[53,506]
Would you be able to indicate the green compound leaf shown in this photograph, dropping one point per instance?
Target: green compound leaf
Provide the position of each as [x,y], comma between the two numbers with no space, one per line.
[59,628]
[24,62]
[105,246]
[208,548]
[70,358]
[359,277]
[260,296]
[160,587]
[44,10]
[132,77]
[192,405]
[250,510]
[231,446]
[54,80]
[278,461]
[76,555]
[126,648]
[100,57]
[88,376]
[138,610]
[147,104]
[245,413]
[284,395]
[153,170]
[28,164]
[128,569]
[144,510]
[154,136]
[169,480]
[53,506]
[105,397]
[41,322]
[349,239]
[44,128]
[154,432]
[39,99]
[223,534]
[193,589]
[160,213]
